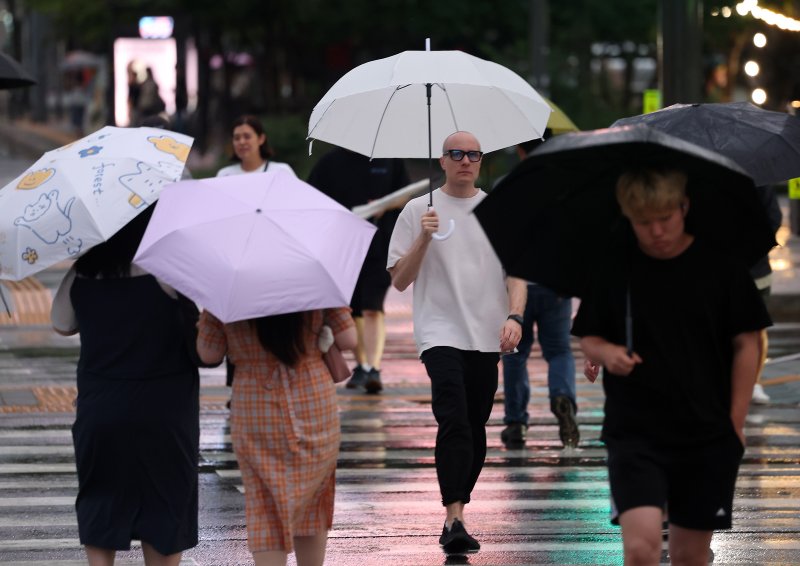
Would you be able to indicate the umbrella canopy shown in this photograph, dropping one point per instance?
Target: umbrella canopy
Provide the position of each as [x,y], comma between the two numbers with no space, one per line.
[81,194]
[379,109]
[559,122]
[554,219]
[765,144]
[255,245]
[12,74]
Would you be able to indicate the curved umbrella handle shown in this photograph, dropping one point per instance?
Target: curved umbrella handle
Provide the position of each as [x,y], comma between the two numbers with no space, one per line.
[439,236]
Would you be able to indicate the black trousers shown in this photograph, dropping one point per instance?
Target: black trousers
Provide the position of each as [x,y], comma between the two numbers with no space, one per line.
[463,385]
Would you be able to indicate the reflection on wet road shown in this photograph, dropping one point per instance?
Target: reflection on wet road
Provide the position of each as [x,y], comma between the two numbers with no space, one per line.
[537,505]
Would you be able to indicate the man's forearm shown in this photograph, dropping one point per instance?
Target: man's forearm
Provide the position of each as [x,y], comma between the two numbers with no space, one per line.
[517,295]
[743,375]
[407,268]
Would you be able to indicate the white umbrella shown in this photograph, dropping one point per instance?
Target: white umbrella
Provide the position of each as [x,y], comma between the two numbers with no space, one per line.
[81,194]
[380,109]
[405,105]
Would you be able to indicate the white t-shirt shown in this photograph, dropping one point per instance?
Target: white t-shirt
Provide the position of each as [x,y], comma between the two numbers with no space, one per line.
[460,296]
[236,169]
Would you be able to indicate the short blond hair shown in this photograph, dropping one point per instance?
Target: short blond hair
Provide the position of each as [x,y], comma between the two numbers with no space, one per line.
[644,191]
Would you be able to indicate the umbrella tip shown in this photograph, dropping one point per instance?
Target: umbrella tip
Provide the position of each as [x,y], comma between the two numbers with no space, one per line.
[258,211]
[427,44]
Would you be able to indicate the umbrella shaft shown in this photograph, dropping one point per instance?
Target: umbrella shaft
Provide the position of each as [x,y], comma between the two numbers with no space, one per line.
[428,87]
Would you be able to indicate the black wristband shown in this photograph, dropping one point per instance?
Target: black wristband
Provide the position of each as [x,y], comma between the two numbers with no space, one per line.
[516,318]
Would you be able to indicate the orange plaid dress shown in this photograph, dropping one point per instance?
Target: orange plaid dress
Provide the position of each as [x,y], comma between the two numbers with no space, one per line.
[285,430]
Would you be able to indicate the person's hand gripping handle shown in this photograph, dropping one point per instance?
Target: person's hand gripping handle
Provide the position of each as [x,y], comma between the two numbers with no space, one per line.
[435,233]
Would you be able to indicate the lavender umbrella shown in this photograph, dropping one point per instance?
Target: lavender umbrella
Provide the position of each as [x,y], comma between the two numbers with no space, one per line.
[255,245]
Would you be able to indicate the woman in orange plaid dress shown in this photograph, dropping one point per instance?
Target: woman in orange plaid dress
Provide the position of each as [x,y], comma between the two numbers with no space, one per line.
[284,425]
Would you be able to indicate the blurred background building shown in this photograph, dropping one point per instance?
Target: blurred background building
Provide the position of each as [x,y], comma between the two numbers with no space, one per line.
[211,61]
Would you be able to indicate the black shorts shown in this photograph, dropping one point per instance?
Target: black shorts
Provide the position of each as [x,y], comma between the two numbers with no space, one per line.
[695,483]
[371,288]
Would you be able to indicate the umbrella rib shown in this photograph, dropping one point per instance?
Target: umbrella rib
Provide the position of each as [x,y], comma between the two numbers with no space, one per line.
[449,105]
[514,105]
[380,122]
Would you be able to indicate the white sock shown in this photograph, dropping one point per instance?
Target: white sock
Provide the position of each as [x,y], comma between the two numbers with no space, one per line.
[366,367]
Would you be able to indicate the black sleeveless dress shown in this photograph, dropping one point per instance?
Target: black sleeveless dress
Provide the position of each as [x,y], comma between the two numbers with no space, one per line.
[137,432]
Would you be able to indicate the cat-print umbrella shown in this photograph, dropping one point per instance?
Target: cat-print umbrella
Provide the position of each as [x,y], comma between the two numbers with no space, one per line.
[81,194]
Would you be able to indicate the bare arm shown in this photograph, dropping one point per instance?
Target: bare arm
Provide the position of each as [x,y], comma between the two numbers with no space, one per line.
[208,355]
[405,271]
[62,315]
[212,343]
[612,356]
[746,350]
[517,295]
[511,332]
[346,339]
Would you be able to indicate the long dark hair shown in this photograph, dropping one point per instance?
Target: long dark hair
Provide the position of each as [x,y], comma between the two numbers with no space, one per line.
[113,257]
[282,334]
[248,119]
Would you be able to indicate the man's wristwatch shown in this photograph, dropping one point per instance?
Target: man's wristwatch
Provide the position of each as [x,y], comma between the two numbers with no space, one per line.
[516,318]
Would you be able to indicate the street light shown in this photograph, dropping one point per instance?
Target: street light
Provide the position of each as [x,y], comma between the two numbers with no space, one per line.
[759,40]
[751,68]
[759,96]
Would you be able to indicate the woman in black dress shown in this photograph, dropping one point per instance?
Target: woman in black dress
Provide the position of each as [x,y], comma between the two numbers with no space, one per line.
[136,432]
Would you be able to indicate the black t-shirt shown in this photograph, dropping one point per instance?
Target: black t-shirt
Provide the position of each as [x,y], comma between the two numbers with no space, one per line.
[351,179]
[686,311]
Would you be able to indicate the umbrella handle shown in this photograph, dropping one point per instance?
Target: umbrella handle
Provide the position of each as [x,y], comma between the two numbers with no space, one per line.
[452,226]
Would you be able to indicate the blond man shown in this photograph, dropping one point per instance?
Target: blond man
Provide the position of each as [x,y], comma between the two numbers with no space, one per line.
[678,390]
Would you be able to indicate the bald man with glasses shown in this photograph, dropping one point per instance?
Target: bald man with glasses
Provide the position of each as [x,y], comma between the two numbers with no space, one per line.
[466,313]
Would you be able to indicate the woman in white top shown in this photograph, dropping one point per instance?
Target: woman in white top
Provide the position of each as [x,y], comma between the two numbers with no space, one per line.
[251,149]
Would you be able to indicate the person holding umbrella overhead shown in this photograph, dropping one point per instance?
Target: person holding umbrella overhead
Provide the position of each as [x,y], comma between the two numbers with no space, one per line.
[465,314]
[678,392]
[137,423]
[284,425]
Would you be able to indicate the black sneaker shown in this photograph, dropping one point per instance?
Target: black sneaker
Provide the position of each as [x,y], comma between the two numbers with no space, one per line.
[373,384]
[456,540]
[358,379]
[564,411]
[514,434]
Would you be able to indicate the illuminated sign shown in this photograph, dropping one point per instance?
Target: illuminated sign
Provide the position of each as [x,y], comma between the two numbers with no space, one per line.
[651,101]
[156,27]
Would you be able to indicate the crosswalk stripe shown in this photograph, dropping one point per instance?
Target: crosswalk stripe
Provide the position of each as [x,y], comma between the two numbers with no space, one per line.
[386,487]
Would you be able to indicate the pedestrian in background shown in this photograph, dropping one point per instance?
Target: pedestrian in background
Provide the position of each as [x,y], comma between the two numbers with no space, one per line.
[251,149]
[136,431]
[252,154]
[552,314]
[462,302]
[676,404]
[352,179]
[149,100]
[284,426]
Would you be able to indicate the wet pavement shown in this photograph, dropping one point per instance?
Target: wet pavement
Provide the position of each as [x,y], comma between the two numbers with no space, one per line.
[536,505]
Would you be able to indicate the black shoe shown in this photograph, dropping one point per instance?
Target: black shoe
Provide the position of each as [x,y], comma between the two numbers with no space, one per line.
[358,379]
[456,540]
[514,434]
[373,384]
[564,411]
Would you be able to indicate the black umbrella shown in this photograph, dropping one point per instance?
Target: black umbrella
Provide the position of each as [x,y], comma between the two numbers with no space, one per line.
[765,144]
[555,219]
[12,75]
